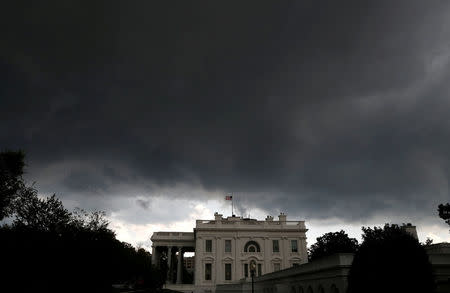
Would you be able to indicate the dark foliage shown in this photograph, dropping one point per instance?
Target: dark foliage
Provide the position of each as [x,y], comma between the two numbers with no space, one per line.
[11,170]
[49,249]
[428,242]
[444,212]
[39,214]
[390,260]
[332,242]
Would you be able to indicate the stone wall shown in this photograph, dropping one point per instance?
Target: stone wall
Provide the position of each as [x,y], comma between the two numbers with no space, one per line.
[324,275]
[329,275]
[439,256]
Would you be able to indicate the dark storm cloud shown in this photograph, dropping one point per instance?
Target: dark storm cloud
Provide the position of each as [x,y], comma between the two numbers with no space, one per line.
[320,106]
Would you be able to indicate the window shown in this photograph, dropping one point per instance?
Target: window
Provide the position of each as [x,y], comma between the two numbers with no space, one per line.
[227,271]
[227,245]
[246,270]
[208,246]
[252,246]
[294,247]
[276,247]
[276,266]
[207,271]
[259,270]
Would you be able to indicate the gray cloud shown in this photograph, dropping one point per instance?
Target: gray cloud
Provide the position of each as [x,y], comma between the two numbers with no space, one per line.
[143,203]
[327,108]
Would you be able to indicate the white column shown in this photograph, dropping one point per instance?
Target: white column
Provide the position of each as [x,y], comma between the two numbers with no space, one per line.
[180,265]
[235,264]
[198,264]
[169,264]
[267,255]
[219,257]
[284,252]
[153,255]
[237,247]
[304,251]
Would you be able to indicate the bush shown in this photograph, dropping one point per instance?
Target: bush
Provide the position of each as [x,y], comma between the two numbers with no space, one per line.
[332,242]
[390,260]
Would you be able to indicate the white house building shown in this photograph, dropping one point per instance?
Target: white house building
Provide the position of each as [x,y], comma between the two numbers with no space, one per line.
[226,249]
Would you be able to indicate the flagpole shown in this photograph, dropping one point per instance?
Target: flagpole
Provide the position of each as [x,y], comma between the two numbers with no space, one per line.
[231,204]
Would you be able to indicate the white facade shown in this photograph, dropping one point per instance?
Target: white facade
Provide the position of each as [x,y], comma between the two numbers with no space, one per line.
[225,248]
[327,275]
[330,275]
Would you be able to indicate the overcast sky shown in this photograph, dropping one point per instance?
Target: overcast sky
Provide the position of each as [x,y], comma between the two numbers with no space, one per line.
[335,112]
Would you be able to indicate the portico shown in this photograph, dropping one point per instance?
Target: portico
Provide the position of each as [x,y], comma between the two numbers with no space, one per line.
[168,249]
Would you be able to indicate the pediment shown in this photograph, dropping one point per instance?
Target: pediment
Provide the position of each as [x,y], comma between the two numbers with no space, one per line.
[276,259]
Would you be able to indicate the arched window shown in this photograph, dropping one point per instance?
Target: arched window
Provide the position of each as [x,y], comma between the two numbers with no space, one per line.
[300,289]
[252,246]
[310,290]
[320,289]
[293,289]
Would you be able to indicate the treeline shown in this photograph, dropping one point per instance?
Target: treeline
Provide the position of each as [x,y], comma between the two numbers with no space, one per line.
[388,260]
[44,247]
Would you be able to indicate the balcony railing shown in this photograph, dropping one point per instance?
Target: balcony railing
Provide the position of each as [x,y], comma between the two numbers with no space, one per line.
[245,223]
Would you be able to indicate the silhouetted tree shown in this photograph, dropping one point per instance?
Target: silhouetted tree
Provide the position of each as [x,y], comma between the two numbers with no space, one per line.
[94,221]
[428,242]
[332,242]
[390,260]
[39,214]
[11,170]
[49,249]
[444,212]
[46,249]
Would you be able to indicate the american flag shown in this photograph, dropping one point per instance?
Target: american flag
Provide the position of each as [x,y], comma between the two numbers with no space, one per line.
[229,197]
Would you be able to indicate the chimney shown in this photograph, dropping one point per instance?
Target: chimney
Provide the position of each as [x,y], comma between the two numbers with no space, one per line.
[410,229]
[217,216]
[282,217]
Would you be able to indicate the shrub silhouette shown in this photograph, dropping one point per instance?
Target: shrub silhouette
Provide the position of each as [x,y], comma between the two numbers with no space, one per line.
[332,242]
[390,260]
[46,248]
